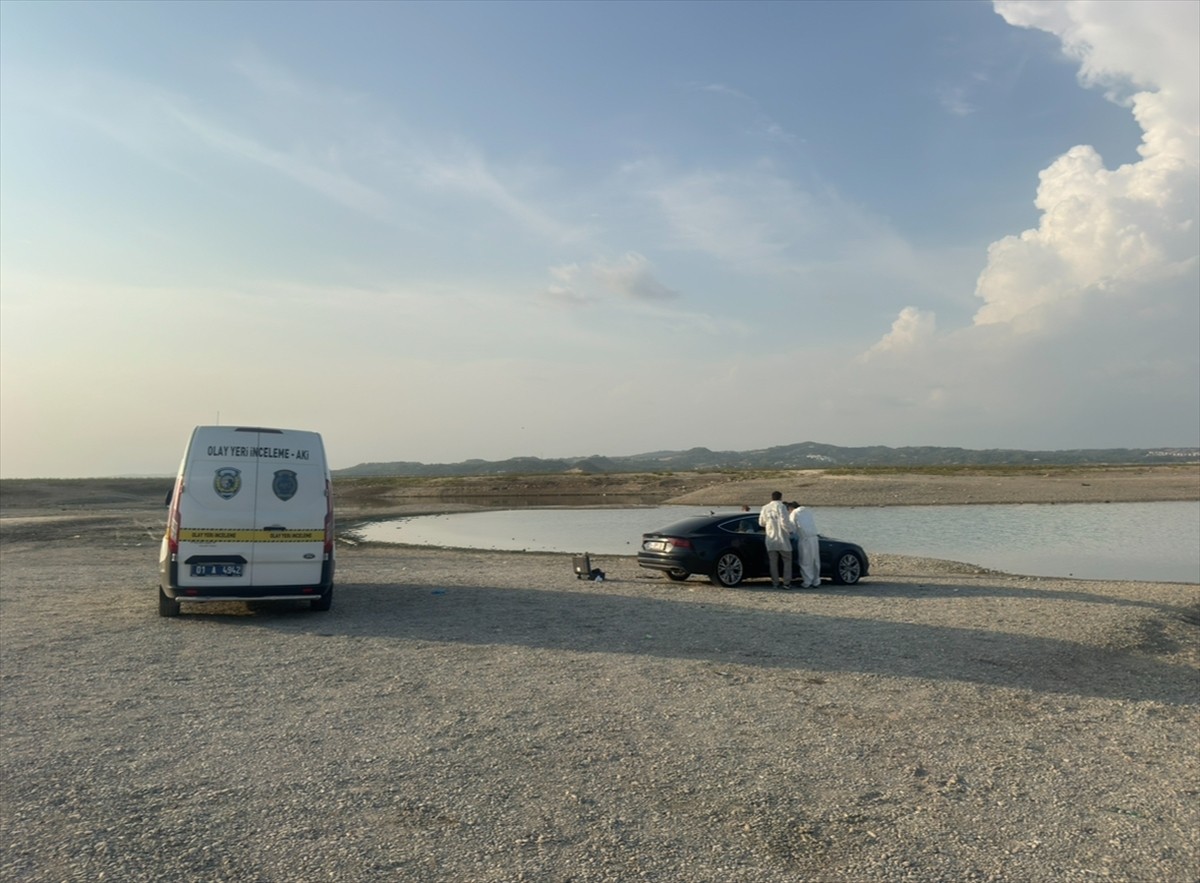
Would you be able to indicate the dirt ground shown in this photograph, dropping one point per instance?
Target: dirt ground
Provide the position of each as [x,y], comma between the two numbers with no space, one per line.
[486,716]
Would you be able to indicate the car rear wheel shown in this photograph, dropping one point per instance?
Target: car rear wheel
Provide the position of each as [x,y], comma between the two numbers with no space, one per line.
[847,570]
[729,570]
[677,575]
[167,606]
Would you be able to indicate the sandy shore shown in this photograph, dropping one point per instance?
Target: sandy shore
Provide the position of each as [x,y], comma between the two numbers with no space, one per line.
[466,716]
[813,487]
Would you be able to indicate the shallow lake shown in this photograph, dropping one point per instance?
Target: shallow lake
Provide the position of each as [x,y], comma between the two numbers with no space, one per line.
[1134,541]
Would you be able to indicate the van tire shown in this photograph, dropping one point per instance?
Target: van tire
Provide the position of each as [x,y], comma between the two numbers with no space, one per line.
[324,602]
[167,606]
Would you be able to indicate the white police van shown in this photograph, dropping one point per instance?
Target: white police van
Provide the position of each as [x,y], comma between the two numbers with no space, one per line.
[251,518]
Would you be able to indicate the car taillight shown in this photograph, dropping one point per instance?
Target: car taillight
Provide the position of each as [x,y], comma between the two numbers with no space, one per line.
[679,542]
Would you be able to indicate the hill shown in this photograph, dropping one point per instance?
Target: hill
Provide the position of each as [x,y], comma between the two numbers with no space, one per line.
[805,455]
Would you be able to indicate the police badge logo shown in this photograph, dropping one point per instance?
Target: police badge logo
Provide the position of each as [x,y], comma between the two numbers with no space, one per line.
[285,484]
[227,482]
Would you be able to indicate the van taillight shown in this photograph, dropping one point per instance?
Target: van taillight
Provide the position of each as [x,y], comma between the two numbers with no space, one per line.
[328,520]
[173,520]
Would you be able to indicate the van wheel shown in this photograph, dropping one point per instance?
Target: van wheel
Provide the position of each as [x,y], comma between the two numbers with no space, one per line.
[167,606]
[324,602]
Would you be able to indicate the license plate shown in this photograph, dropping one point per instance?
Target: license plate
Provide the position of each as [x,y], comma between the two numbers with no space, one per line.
[654,546]
[216,570]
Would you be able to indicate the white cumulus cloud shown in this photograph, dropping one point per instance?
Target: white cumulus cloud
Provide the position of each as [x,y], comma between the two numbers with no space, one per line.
[1090,320]
[912,328]
[1104,230]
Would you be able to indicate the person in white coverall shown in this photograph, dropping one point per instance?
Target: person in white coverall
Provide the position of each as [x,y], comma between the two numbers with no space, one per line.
[774,519]
[808,545]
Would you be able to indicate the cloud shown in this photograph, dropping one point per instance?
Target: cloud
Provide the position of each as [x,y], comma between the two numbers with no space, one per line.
[912,328]
[461,169]
[168,129]
[1148,44]
[1091,318]
[1144,54]
[342,145]
[722,89]
[761,230]
[747,219]
[565,287]
[316,175]
[1107,230]
[954,100]
[1100,230]
[763,124]
[629,277]
[467,173]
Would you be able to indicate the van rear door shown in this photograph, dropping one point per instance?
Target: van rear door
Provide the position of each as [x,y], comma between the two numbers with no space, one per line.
[217,511]
[292,509]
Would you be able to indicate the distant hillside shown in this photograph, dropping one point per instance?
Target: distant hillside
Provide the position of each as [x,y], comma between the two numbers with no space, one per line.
[806,455]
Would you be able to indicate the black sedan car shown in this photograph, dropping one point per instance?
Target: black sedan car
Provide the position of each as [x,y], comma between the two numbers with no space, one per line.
[731,548]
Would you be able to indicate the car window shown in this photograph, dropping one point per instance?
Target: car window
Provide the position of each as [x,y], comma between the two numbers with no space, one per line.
[742,525]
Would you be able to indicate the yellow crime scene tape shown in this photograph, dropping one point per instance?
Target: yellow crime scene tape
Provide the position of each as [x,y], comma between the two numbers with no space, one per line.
[209,535]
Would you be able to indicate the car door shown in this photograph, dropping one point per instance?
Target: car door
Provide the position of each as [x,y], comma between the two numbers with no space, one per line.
[750,542]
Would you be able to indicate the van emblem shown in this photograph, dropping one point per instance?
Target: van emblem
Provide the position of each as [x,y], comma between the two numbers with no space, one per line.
[227,482]
[285,484]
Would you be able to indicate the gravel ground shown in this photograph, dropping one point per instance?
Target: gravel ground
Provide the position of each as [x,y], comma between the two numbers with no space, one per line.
[485,716]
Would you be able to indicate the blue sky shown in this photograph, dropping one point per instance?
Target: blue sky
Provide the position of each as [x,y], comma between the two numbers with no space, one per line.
[452,230]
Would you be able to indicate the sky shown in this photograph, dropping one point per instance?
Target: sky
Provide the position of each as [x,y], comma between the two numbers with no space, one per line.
[443,231]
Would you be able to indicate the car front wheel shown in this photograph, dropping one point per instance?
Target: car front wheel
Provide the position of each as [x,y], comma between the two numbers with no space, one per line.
[729,570]
[847,570]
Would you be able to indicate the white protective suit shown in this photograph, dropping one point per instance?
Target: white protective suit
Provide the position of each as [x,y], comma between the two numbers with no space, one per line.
[809,547]
[774,519]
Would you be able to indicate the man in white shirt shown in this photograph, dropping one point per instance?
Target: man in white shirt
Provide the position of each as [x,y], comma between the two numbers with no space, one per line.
[774,519]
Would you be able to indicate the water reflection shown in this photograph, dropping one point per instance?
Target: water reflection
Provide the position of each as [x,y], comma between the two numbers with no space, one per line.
[565,501]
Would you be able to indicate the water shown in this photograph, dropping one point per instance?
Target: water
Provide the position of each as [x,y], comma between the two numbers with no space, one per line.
[1133,541]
